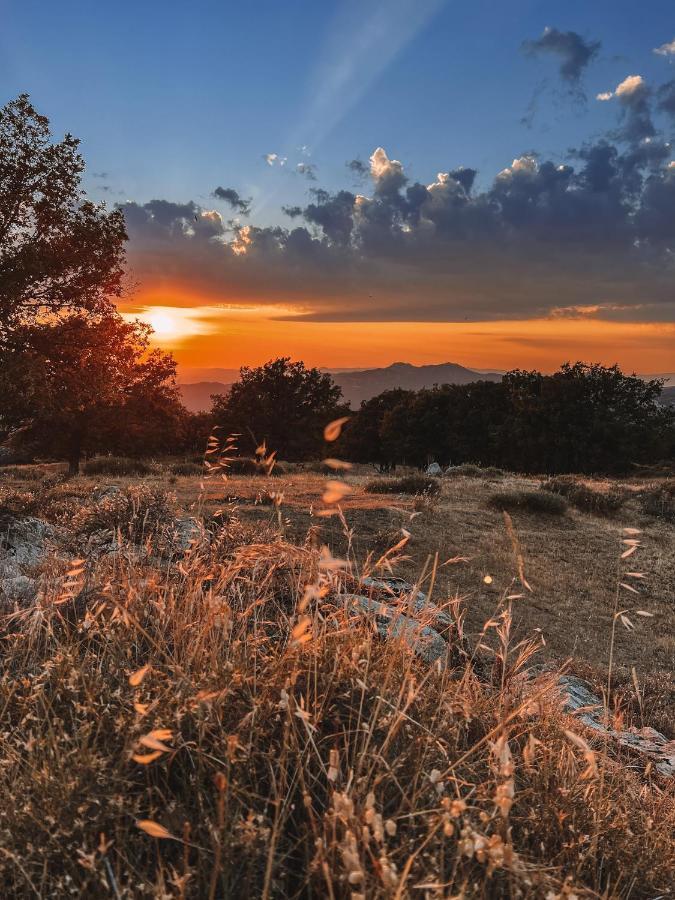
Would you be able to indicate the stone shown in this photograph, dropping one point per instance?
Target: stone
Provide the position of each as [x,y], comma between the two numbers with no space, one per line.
[434,469]
[18,589]
[399,589]
[589,709]
[186,532]
[27,540]
[422,640]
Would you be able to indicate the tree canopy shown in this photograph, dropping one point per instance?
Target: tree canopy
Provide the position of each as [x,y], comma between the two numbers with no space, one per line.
[58,250]
[283,404]
[84,385]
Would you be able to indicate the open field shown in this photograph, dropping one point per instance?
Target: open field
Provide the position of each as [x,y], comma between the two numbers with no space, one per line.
[206,717]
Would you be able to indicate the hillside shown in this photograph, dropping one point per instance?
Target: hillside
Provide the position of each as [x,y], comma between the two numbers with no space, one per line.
[197,397]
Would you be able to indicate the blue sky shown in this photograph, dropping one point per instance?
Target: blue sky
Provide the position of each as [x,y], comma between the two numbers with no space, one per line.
[552,218]
[171,99]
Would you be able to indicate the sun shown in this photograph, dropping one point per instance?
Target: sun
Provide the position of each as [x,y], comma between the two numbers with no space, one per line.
[163,324]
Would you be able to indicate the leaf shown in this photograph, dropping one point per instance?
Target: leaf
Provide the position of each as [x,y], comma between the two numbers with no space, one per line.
[137,677]
[332,431]
[627,587]
[146,758]
[577,740]
[154,829]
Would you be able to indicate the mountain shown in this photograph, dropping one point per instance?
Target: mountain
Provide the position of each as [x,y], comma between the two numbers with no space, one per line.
[668,396]
[359,386]
[197,396]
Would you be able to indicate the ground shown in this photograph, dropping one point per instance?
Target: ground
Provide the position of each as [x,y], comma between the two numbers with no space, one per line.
[195,686]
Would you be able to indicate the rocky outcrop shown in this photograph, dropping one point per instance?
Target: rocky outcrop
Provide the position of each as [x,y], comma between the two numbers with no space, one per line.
[434,469]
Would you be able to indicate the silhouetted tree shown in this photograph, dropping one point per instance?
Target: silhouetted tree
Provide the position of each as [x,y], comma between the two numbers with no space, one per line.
[362,438]
[283,404]
[58,250]
[89,384]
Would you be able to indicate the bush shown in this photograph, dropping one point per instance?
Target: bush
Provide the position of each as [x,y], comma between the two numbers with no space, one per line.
[470,470]
[408,484]
[117,466]
[659,501]
[136,510]
[529,501]
[21,473]
[244,465]
[186,468]
[602,503]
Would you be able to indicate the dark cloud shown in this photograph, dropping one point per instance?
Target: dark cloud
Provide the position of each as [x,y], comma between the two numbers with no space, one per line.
[229,195]
[596,233]
[306,169]
[573,51]
[634,96]
[358,167]
[666,98]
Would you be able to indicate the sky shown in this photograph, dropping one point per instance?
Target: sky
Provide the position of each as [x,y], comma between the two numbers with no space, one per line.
[356,183]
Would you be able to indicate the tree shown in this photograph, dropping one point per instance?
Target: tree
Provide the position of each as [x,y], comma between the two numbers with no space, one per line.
[362,438]
[282,404]
[88,384]
[58,250]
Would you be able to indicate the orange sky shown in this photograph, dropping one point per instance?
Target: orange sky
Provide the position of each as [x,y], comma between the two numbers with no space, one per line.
[219,336]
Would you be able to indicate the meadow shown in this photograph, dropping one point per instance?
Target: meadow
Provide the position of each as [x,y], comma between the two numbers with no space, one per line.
[195,705]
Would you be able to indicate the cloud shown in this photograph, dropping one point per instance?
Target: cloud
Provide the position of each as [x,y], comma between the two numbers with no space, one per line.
[358,167]
[595,237]
[273,159]
[634,96]
[306,169]
[575,53]
[667,49]
[232,197]
[666,98]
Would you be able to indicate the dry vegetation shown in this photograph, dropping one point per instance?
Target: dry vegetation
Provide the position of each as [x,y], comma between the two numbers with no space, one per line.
[215,722]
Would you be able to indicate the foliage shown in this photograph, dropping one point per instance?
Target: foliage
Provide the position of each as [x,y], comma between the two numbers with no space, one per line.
[529,501]
[470,470]
[582,419]
[210,740]
[408,484]
[117,466]
[86,385]
[137,511]
[585,498]
[58,251]
[282,404]
[659,500]
[186,468]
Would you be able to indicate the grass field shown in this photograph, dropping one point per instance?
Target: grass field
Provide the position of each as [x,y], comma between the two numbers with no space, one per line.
[210,719]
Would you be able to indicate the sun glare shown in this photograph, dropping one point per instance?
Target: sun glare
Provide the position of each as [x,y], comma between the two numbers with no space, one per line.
[163,324]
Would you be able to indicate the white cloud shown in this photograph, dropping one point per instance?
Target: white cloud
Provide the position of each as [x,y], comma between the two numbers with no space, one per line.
[606,95]
[666,49]
[630,85]
[382,167]
[273,159]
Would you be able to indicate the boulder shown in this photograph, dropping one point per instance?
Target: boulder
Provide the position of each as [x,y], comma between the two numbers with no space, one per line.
[422,640]
[401,590]
[17,589]
[434,469]
[26,541]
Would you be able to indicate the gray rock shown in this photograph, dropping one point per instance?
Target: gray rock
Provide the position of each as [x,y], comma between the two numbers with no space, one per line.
[186,532]
[18,589]
[578,698]
[434,469]
[27,540]
[399,589]
[422,640]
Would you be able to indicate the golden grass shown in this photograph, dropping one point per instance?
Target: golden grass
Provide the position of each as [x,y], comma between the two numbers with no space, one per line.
[219,726]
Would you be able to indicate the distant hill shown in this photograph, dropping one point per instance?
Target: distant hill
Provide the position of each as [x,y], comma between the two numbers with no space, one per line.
[197,396]
[359,386]
[668,396]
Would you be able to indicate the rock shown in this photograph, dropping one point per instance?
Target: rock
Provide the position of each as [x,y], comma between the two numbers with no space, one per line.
[400,589]
[108,490]
[434,469]
[186,532]
[27,540]
[422,640]
[578,698]
[18,589]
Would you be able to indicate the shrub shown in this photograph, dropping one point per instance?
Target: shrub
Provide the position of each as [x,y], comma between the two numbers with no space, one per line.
[117,466]
[21,473]
[186,468]
[408,484]
[244,465]
[602,503]
[659,501]
[136,510]
[529,501]
[471,470]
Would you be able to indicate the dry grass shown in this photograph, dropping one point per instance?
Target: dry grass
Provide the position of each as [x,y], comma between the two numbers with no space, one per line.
[218,725]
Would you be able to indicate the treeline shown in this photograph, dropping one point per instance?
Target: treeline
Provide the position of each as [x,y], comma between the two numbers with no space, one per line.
[582,419]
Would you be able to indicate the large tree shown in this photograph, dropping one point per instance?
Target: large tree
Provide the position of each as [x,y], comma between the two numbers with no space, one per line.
[58,251]
[88,384]
[283,404]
